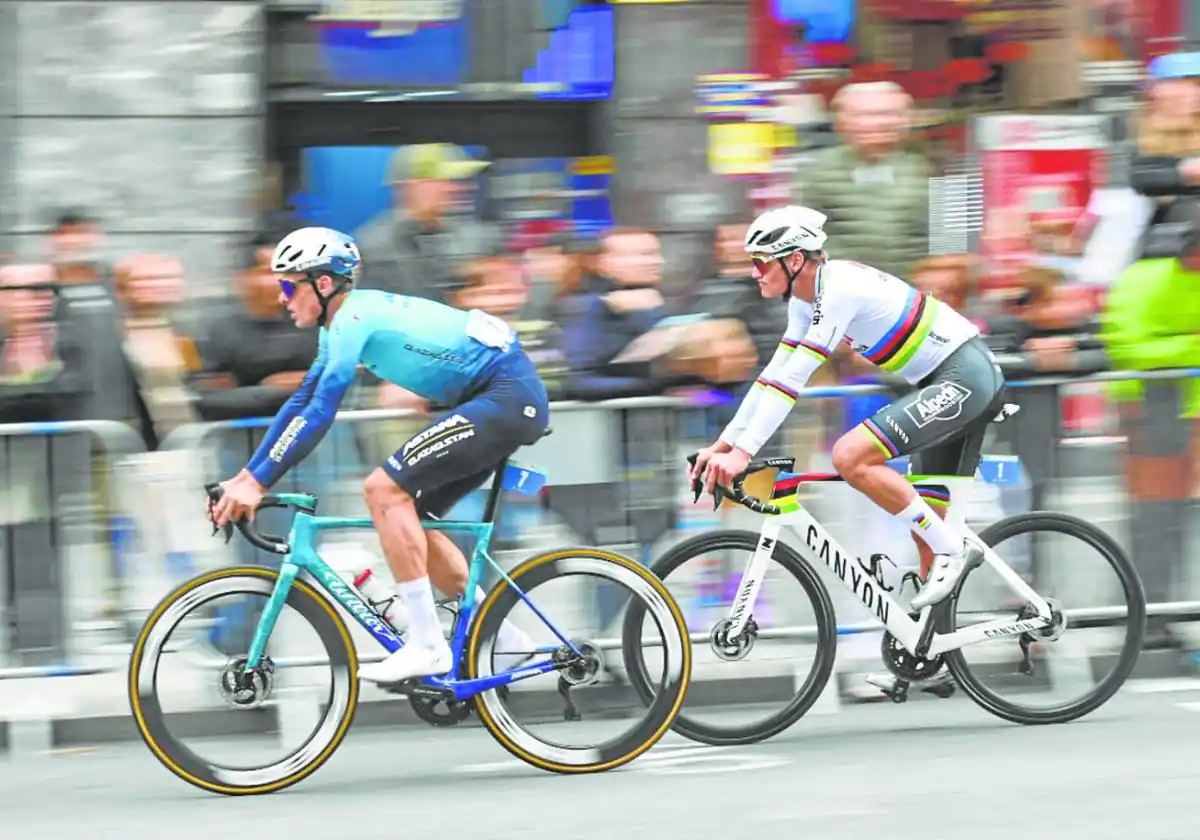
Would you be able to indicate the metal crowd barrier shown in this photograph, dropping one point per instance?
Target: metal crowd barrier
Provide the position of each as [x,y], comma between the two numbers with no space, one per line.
[623,489]
[53,545]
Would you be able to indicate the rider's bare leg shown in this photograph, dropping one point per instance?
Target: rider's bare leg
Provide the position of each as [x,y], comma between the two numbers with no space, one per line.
[860,458]
[447,564]
[406,547]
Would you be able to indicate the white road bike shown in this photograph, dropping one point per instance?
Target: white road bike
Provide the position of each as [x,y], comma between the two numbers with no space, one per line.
[915,646]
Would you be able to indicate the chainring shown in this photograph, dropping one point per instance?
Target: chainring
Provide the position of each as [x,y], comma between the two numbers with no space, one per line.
[439,711]
[905,665]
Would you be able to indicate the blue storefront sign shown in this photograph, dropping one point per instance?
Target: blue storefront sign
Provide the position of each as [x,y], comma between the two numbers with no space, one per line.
[432,44]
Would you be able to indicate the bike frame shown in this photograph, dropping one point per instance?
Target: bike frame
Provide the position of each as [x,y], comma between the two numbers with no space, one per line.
[303,557]
[818,547]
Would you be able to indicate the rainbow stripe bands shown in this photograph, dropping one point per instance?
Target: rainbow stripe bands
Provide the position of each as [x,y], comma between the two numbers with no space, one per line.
[921,521]
[935,497]
[897,347]
[815,350]
[779,390]
[788,344]
[881,440]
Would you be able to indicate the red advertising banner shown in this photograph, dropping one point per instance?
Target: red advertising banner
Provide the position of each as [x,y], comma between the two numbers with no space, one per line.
[1038,172]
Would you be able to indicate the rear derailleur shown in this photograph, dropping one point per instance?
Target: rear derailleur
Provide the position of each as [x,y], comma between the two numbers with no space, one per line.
[575,671]
[1050,633]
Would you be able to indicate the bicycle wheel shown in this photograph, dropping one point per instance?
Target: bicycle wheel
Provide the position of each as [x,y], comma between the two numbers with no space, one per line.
[642,588]
[334,721]
[1128,652]
[826,640]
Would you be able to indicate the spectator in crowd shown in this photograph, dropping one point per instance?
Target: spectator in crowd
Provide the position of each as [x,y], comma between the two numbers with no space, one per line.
[148,286]
[498,286]
[874,191]
[41,365]
[1152,321]
[91,316]
[75,248]
[730,291]
[551,268]
[1045,317]
[621,303]
[253,357]
[420,245]
[1149,322]
[41,380]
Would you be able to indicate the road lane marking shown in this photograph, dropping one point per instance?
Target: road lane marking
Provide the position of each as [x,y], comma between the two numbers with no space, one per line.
[668,760]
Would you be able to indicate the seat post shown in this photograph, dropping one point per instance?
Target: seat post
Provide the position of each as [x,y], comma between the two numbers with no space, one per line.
[493,498]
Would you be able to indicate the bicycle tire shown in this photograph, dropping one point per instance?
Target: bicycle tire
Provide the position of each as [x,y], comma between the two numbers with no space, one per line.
[321,615]
[1061,523]
[661,713]
[785,556]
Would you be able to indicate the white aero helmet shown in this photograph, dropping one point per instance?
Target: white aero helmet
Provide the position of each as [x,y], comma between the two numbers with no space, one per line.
[786,230]
[317,250]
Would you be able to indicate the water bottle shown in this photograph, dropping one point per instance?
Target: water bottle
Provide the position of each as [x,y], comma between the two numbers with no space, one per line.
[380,596]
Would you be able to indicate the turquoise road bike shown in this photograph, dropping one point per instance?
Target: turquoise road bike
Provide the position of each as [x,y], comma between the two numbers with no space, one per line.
[310,587]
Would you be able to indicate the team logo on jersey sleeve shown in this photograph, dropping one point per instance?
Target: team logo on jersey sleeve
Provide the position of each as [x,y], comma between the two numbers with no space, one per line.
[943,402]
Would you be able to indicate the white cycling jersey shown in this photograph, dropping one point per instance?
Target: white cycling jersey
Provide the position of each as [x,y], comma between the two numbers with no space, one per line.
[890,323]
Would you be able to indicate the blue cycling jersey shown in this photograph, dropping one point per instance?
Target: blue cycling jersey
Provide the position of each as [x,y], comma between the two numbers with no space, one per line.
[436,351]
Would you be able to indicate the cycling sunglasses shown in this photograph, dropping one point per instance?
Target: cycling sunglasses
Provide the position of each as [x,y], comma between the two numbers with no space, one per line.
[288,287]
[762,263]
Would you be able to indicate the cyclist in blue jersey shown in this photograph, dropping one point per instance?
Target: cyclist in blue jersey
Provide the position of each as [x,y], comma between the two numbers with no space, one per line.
[467,360]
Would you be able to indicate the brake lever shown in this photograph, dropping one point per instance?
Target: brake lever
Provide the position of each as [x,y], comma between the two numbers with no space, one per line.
[697,484]
[215,491]
[719,493]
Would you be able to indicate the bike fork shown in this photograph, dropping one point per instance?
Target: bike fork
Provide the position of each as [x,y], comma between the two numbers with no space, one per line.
[752,579]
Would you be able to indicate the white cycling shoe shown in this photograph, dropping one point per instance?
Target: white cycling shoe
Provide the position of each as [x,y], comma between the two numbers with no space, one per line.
[414,661]
[410,662]
[947,571]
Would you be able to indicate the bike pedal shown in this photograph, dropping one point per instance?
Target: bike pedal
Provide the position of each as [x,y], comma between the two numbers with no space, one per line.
[899,692]
[941,690]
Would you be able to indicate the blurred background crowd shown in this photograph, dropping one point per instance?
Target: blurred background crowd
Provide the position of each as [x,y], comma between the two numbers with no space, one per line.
[587,173]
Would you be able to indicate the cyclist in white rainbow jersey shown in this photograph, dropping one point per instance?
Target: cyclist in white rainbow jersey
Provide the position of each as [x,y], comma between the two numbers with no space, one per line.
[837,307]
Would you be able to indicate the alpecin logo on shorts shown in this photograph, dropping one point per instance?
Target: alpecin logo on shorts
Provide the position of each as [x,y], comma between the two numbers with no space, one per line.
[937,402]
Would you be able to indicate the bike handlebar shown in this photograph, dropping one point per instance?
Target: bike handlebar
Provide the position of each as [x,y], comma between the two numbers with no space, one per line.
[275,545]
[735,492]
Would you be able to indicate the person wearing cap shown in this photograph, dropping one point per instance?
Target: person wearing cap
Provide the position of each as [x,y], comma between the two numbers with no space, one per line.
[419,247]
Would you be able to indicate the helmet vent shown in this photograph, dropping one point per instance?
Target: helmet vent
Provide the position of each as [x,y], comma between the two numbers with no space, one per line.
[772,237]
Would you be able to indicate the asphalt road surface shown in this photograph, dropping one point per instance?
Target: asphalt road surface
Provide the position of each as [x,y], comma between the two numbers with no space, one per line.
[934,769]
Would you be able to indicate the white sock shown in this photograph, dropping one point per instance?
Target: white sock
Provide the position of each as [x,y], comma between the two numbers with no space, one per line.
[930,527]
[422,612]
[509,638]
